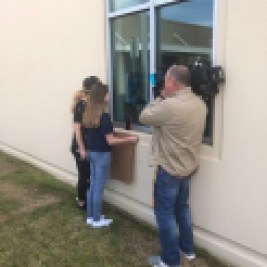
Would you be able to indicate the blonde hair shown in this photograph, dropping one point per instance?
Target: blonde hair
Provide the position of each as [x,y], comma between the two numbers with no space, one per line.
[96,106]
[78,95]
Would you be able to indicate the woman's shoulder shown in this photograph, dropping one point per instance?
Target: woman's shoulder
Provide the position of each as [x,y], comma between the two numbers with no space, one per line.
[80,106]
[105,118]
[81,103]
[105,115]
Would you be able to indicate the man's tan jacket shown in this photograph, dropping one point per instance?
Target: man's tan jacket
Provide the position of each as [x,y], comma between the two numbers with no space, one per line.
[179,122]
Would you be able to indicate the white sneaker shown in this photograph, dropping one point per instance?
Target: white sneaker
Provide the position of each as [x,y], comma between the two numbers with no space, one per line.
[156,261]
[189,256]
[90,220]
[161,264]
[101,223]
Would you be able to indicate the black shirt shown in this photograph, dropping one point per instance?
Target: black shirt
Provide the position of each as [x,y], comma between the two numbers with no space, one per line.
[96,137]
[77,118]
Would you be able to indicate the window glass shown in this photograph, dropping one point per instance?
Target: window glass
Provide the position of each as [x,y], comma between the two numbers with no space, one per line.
[185,34]
[122,4]
[130,61]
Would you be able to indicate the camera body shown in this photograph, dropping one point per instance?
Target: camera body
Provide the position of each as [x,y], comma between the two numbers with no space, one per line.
[204,79]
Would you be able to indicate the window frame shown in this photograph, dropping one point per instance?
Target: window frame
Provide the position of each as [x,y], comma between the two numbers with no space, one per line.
[151,7]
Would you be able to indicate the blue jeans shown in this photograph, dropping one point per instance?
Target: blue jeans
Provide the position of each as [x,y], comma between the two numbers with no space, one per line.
[100,167]
[172,209]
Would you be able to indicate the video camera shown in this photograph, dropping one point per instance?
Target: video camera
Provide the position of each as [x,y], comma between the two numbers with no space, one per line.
[204,79]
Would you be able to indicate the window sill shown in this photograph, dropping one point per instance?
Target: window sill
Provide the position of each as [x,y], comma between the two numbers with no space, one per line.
[135,127]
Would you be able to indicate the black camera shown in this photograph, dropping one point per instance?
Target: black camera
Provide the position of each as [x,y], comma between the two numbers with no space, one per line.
[204,79]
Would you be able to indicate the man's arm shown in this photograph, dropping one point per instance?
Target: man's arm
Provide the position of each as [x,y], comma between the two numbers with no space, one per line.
[155,113]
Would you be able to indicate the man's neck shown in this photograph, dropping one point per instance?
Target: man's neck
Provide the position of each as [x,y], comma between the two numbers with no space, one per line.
[178,90]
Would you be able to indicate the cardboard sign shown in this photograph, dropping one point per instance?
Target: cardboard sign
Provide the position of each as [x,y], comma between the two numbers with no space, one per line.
[122,161]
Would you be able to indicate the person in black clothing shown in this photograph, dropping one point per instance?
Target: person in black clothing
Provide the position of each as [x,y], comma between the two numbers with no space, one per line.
[78,146]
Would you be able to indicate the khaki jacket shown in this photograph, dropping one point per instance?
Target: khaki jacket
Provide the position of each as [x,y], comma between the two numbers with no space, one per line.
[179,122]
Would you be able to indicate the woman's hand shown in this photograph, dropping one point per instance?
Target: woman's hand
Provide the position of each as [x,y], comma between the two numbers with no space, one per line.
[132,139]
[82,154]
[117,140]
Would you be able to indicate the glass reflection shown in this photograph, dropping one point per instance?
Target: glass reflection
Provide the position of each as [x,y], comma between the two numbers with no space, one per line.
[122,4]
[130,57]
[185,33]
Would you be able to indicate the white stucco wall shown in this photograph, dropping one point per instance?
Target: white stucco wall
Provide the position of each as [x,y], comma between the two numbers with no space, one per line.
[230,192]
[48,47]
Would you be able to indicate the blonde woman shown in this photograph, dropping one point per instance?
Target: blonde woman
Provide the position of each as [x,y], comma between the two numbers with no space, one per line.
[78,147]
[100,138]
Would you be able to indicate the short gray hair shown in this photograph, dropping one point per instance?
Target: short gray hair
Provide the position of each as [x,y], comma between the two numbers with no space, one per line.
[180,74]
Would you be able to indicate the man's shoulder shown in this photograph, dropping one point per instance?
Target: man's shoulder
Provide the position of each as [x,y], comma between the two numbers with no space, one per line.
[185,101]
[187,95]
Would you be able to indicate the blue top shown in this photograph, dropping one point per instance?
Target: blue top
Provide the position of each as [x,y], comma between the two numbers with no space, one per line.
[96,137]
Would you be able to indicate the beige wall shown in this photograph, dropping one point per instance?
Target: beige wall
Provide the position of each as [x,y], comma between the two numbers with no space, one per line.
[230,193]
[46,49]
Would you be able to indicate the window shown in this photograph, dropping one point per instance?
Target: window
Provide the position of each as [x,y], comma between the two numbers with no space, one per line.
[149,36]
[130,56]
[185,33]
[122,4]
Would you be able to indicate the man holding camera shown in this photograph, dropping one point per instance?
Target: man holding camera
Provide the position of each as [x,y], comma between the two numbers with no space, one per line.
[178,117]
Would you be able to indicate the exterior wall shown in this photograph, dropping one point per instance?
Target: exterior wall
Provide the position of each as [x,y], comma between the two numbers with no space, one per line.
[46,49]
[228,196]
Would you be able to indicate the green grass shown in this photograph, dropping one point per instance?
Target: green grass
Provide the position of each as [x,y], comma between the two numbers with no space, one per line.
[8,205]
[35,232]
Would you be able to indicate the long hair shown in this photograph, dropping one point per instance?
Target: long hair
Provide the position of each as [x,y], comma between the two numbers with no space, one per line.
[78,95]
[96,106]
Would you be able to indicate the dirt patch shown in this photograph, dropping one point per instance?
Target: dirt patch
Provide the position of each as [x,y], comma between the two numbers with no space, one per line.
[6,167]
[29,199]
[195,263]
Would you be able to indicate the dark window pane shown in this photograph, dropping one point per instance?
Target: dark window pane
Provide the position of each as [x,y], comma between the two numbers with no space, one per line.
[130,58]
[184,35]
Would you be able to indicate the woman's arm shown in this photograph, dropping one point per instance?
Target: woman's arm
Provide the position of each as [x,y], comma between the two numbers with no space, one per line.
[113,140]
[78,136]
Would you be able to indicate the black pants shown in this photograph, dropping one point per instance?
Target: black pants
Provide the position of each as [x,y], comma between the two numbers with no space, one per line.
[83,167]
